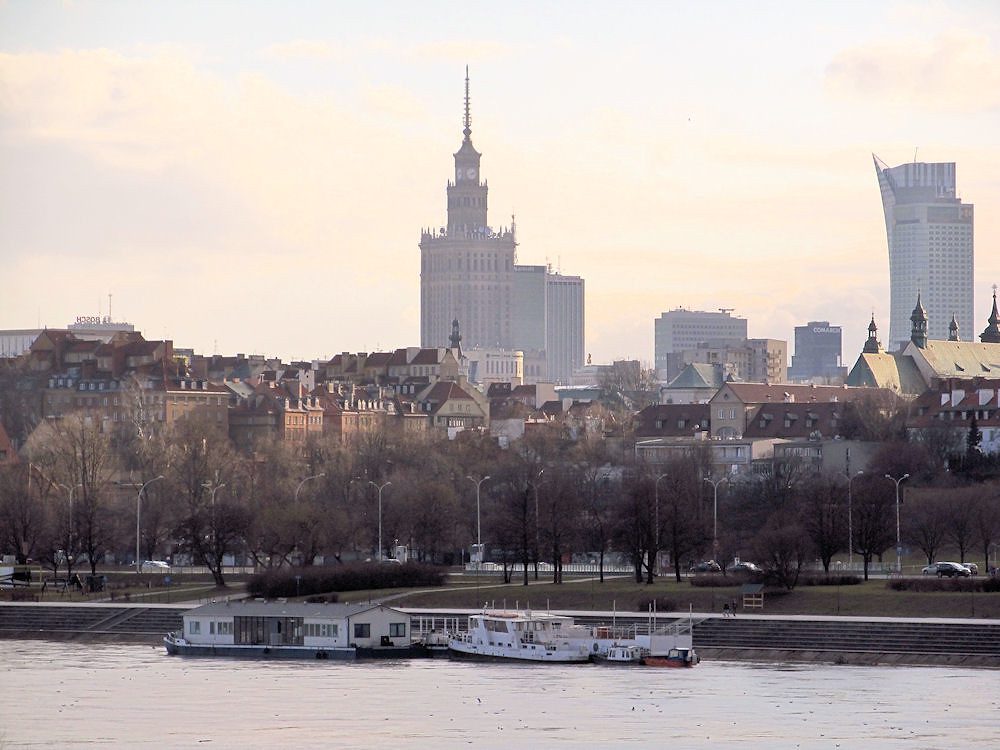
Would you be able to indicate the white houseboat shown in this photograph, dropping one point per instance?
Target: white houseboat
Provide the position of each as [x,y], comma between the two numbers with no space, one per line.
[279,629]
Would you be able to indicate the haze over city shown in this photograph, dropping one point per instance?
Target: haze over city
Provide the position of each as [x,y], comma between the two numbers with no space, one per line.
[255,178]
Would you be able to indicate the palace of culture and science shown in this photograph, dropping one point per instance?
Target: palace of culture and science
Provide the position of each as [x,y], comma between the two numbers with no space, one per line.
[469,273]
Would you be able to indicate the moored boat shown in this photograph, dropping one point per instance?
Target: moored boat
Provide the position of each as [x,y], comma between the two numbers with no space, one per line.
[521,636]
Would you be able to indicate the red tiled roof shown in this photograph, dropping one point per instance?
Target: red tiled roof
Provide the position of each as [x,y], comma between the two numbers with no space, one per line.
[427,357]
[794,420]
[675,420]
[764,393]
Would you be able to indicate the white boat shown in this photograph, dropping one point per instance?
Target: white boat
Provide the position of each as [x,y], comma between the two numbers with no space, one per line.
[522,636]
[623,655]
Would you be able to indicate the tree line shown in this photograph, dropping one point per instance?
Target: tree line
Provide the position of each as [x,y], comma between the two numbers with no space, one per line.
[79,497]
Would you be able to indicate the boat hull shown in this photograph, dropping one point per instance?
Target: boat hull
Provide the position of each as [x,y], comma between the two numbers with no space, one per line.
[536,656]
[182,648]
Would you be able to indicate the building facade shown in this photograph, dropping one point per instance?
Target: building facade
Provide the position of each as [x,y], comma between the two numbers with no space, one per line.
[930,237]
[681,330]
[564,325]
[818,347]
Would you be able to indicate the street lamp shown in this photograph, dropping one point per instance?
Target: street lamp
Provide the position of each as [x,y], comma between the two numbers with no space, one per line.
[899,544]
[850,520]
[314,476]
[715,511]
[656,519]
[138,502]
[538,546]
[70,490]
[479,535]
[379,487]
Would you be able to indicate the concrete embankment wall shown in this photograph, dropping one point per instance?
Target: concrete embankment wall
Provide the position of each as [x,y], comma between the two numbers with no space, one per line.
[846,640]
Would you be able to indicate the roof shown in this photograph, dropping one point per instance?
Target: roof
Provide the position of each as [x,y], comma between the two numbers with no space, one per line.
[674,420]
[764,393]
[428,357]
[961,359]
[794,420]
[896,372]
[698,375]
[258,608]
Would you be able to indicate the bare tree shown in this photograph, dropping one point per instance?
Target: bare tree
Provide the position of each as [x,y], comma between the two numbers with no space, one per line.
[782,548]
[986,521]
[822,518]
[959,521]
[926,525]
[873,519]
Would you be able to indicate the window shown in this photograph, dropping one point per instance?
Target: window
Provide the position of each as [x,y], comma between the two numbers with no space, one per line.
[362,630]
[397,629]
[194,627]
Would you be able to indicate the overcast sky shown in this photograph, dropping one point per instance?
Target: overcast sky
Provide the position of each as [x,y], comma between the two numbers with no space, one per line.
[253,177]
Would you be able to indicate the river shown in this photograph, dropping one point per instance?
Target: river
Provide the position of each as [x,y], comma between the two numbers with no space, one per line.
[65,695]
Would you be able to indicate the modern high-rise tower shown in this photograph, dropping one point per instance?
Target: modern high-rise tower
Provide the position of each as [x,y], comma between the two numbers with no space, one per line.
[469,273]
[930,234]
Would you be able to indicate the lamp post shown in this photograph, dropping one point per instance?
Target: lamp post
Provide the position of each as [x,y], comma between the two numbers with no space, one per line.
[656,517]
[314,476]
[479,535]
[899,544]
[215,489]
[138,505]
[715,512]
[379,487]
[850,520]
[70,490]
[538,546]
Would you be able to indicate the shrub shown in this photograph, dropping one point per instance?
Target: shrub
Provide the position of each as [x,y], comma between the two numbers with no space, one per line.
[834,580]
[312,581]
[662,604]
[717,581]
[943,584]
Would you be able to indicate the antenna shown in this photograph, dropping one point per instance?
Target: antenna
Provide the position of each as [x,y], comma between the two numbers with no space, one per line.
[109,306]
[915,149]
[468,116]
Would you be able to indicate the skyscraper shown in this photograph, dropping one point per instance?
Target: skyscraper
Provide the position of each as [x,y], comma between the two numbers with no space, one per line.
[817,352]
[930,236]
[466,267]
[469,273]
[679,330]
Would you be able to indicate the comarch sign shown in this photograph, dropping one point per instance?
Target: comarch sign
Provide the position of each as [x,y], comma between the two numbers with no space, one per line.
[826,329]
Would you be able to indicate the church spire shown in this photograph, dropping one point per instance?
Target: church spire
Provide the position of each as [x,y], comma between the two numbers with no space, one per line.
[992,333]
[953,328]
[918,331]
[872,345]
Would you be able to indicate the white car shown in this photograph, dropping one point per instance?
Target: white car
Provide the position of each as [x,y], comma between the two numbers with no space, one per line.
[155,566]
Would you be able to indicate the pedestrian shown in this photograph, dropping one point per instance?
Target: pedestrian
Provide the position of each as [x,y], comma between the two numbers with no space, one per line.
[725,609]
[732,608]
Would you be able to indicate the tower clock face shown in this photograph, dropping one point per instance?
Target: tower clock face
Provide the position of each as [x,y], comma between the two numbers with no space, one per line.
[470,173]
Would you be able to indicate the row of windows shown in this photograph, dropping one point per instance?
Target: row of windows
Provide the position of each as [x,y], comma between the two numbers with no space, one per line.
[322,629]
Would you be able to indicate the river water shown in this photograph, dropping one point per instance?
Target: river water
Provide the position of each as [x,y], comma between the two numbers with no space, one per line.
[65,695]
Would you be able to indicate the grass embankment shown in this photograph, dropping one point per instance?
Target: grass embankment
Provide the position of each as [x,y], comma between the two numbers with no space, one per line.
[871,599]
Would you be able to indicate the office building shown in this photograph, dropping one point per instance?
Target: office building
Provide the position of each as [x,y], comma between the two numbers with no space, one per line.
[469,273]
[930,238]
[682,330]
[817,352]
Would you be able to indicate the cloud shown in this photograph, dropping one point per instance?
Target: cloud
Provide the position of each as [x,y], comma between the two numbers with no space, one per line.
[957,71]
[301,49]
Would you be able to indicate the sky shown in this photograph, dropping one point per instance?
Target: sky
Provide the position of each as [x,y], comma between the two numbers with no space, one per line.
[254,176]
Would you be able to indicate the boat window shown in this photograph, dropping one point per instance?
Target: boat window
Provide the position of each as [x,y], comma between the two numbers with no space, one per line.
[362,630]
[397,629]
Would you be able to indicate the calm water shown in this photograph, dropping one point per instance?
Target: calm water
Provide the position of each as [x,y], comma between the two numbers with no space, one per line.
[119,695]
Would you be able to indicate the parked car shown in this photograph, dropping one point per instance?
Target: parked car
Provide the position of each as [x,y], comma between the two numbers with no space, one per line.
[929,570]
[706,566]
[746,567]
[155,566]
[952,570]
[973,568]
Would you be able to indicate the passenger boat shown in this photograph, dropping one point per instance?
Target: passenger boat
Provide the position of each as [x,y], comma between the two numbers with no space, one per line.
[522,636]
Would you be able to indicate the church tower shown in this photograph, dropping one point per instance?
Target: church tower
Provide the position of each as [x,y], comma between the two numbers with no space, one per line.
[918,327]
[466,266]
[992,333]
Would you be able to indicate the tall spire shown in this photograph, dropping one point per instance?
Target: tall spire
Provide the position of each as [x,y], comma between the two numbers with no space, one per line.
[468,116]
[918,331]
[953,328]
[992,333]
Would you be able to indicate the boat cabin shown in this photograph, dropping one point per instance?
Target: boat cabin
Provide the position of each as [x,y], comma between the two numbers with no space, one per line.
[280,623]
